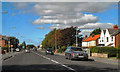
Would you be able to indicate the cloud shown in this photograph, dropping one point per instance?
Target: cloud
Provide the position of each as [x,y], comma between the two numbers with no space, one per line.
[69,8]
[86,31]
[21,5]
[60,0]
[96,25]
[67,19]
[41,27]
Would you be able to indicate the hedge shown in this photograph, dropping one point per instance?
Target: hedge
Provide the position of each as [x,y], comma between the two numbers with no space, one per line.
[62,49]
[4,48]
[111,51]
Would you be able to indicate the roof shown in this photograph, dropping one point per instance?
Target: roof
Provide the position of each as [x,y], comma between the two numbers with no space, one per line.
[117,32]
[112,31]
[104,31]
[91,38]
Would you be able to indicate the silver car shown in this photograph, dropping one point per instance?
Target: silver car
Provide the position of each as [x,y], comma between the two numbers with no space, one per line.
[75,53]
[27,50]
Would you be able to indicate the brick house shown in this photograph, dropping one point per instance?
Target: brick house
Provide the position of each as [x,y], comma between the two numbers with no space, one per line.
[117,38]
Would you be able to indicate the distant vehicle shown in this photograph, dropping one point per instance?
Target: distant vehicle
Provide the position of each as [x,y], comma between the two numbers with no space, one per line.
[34,49]
[49,51]
[75,53]
[17,50]
[27,50]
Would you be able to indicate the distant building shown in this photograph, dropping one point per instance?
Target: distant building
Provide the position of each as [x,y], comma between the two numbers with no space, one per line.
[109,37]
[91,41]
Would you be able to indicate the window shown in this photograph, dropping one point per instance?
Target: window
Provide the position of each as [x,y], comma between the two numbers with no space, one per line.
[102,39]
[112,39]
[107,39]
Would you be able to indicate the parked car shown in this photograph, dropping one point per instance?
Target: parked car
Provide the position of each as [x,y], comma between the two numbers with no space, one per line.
[75,53]
[49,51]
[27,50]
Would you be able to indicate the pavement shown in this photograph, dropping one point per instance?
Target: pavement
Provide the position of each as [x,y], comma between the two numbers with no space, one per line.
[38,61]
[98,59]
[9,55]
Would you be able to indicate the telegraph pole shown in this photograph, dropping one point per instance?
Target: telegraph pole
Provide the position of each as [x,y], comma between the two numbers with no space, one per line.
[76,39]
[55,40]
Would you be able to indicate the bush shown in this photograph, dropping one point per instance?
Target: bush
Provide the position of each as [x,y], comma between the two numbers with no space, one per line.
[4,48]
[111,51]
[118,54]
[62,49]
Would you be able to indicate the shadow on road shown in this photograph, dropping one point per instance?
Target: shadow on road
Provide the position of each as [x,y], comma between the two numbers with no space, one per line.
[83,60]
[54,68]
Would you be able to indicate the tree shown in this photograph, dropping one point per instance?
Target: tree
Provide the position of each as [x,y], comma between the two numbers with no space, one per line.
[96,31]
[30,46]
[14,41]
[65,37]
[23,44]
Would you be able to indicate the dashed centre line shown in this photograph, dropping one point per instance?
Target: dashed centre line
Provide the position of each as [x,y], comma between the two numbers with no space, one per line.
[56,62]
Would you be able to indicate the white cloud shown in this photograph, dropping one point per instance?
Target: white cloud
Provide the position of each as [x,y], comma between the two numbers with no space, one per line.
[60,0]
[96,25]
[86,31]
[66,19]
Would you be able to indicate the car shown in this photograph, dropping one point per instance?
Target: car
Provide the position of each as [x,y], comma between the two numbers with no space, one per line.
[49,51]
[17,50]
[75,53]
[34,49]
[27,50]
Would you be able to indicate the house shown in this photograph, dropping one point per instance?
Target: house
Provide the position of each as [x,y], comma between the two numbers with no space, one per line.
[91,41]
[107,37]
[117,38]
[3,41]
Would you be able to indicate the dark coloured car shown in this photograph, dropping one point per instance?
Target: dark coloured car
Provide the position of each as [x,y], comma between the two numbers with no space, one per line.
[49,51]
[75,53]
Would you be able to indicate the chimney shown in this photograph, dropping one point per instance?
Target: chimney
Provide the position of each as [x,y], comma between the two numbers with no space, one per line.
[115,27]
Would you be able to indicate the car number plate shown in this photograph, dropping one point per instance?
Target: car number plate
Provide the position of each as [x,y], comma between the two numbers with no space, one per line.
[80,56]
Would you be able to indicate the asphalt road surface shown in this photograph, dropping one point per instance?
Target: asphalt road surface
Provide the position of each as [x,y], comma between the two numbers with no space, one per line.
[38,61]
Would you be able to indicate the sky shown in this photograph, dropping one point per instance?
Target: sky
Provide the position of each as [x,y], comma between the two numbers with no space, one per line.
[31,21]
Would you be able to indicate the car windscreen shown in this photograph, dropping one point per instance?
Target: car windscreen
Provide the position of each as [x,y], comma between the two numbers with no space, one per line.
[76,49]
[49,49]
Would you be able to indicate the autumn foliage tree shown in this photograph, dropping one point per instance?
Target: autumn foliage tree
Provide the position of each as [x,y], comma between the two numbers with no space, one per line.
[64,37]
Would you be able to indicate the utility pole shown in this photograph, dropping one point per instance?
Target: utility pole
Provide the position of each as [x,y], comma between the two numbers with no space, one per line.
[55,40]
[76,39]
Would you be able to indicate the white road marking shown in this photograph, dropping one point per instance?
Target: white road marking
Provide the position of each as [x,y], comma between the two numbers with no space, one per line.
[56,62]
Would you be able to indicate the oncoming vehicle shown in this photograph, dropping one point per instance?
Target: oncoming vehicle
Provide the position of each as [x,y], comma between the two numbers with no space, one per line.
[75,53]
[27,50]
[49,51]
[17,50]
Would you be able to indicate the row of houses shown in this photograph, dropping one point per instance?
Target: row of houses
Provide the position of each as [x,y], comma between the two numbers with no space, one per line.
[108,37]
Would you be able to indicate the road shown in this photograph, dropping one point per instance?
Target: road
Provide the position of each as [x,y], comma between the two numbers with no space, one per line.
[38,61]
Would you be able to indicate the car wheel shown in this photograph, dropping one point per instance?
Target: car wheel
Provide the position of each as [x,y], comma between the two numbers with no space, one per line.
[66,56]
[70,57]
[52,53]
[85,58]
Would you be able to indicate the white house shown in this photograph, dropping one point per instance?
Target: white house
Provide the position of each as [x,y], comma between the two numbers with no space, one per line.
[91,41]
[107,38]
